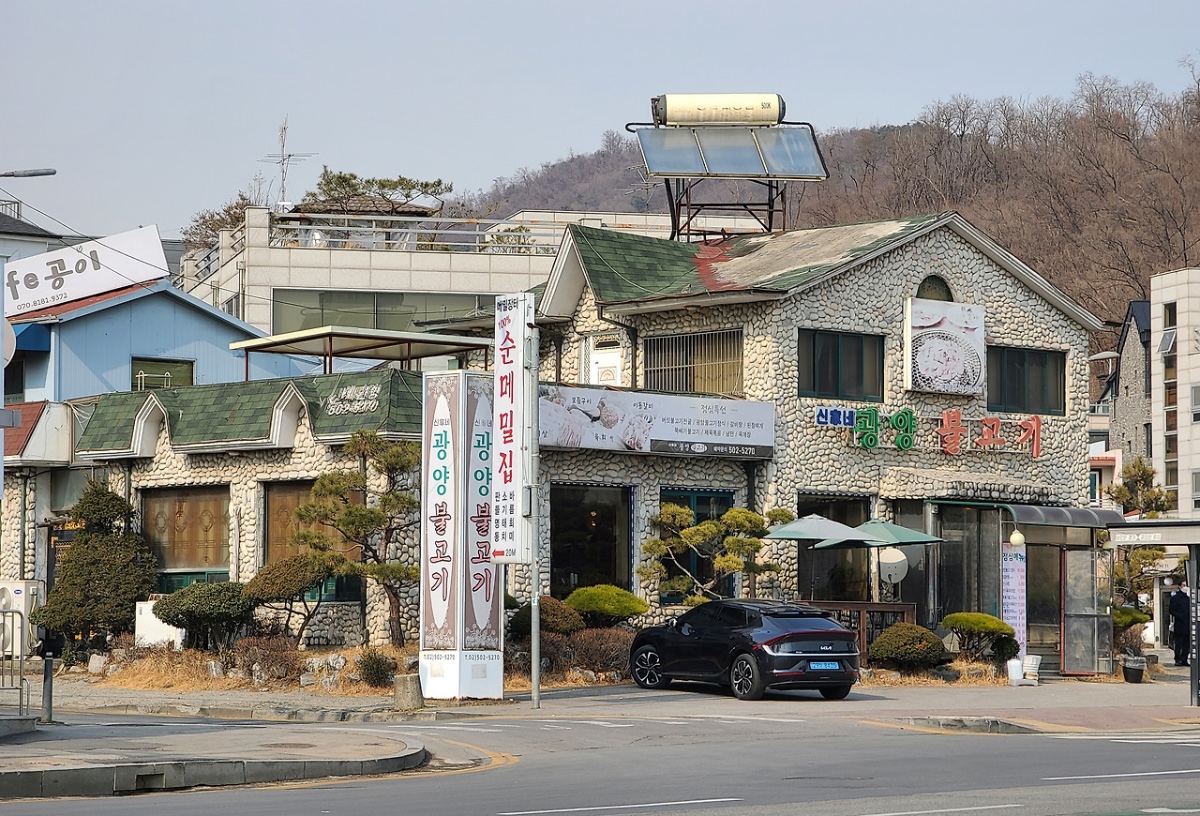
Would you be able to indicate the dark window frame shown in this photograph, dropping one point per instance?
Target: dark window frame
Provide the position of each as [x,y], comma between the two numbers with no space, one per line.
[1015,396]
[809,376]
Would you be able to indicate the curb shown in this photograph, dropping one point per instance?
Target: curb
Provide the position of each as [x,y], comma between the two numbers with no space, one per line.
[974,725]
[271,713]
[111,780]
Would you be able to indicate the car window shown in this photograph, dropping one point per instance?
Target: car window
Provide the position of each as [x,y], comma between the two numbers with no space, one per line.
[803,622]
[732,616]
[702,617]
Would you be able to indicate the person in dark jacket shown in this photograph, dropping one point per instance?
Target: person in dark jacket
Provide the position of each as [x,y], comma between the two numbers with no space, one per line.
[1181,619]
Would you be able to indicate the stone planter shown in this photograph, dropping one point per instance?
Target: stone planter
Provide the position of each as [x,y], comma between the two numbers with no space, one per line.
[1133,669]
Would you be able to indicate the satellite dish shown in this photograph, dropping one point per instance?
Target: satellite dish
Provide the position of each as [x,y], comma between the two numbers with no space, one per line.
[893,565]
[10,341]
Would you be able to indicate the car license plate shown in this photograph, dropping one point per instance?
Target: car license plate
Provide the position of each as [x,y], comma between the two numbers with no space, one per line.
[824,665]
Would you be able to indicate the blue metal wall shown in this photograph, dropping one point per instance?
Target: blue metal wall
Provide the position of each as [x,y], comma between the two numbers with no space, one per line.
[92,353]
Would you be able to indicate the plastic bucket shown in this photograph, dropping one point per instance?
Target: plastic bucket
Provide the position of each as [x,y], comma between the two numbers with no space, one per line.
[1014,670]
[1032,664]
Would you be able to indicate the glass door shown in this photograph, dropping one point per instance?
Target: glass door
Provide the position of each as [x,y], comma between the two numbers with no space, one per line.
[1087,611]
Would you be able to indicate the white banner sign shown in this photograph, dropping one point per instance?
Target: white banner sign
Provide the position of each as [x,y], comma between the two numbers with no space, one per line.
[1012,591]
[630,421]
[512,431]
[83,270]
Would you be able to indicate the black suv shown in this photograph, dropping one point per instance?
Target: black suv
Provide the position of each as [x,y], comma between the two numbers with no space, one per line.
[752,645]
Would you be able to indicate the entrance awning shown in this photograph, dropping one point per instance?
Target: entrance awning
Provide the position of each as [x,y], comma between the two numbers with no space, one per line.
[1047,516]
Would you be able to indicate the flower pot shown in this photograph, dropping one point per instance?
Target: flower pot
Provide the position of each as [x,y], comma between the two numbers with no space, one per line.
[1133,669]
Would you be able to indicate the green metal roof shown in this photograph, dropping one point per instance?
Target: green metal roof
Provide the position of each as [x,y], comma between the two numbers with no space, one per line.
[397,402]
[622,268]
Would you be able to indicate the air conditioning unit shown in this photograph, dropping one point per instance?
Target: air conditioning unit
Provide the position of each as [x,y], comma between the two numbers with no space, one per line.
[17,635]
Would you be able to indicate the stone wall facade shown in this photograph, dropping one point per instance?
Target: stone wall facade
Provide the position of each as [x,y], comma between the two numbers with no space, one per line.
[1131,402]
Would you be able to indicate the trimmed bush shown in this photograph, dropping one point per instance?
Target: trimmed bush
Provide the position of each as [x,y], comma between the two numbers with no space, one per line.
[211,614]
[603,606]
[1004,649]
[908,648]
[602,649]
[976,631]
[375,668]
[554,616]
[1125,616]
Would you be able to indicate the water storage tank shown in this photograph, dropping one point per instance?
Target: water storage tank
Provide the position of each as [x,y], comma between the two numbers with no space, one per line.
[717,109]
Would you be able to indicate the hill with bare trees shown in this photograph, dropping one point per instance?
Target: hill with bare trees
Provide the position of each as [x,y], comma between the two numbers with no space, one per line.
[1096,192]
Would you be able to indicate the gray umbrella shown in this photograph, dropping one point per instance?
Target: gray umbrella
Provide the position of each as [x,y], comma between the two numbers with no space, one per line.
[889,535]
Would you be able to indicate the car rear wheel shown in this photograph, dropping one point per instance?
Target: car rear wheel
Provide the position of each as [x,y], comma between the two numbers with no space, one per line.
[646,667]
[835,692]
[745,678]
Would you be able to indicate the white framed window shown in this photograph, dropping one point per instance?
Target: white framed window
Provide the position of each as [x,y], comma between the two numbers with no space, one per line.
[603,360]
[1196,489]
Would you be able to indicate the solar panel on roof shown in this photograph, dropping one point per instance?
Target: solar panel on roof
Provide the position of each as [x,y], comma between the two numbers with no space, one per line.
[732,152]
[671,152]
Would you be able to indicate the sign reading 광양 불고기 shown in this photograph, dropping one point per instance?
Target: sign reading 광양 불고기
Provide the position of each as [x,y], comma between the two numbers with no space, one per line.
[83,270]
[512,536]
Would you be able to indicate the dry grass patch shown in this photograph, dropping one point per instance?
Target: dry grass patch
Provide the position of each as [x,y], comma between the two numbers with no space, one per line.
[987,675]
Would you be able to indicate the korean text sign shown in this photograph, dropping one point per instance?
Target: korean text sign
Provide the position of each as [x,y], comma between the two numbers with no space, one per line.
[512,430]
[83,270]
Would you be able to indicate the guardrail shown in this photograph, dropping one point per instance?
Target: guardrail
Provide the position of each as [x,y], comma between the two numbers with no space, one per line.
[415,234]
[12,658]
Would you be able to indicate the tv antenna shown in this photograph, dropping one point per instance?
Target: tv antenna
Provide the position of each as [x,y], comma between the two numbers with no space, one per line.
[284,159]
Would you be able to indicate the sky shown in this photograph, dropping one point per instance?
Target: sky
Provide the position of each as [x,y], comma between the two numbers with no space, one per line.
[151,111]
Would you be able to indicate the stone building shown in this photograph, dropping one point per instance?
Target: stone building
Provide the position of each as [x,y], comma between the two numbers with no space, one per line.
[909,369]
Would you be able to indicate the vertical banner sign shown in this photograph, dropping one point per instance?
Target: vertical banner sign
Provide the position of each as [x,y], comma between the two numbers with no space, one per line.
[461,599]
[1012,590]
[482,613]
[512,431]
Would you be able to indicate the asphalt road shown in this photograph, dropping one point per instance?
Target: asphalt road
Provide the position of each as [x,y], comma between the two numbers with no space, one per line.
[529,764]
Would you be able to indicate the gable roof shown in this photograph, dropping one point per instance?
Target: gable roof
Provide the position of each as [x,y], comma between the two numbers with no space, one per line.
[1137,317]
[16,438]
[633,273]
[255,415]
[74,309]
[18,226]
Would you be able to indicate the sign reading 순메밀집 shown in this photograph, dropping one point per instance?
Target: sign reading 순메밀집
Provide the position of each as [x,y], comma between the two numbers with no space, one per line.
[83,270]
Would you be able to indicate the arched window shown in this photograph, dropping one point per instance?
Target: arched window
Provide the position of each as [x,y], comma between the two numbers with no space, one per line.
[934,288]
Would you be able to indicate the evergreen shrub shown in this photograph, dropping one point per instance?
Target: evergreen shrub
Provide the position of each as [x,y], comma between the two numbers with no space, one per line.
[210,614]
[908,648]
[603,606]
[976,631]
[554,616]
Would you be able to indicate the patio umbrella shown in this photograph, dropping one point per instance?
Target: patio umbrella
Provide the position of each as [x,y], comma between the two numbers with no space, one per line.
[885,534]
[819,528]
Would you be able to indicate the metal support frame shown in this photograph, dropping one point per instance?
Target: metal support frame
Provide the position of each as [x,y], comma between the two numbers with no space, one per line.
[770,212]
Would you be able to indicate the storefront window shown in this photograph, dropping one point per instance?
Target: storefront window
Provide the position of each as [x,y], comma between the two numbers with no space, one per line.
[707,505]
[833,574]
[969,563]
[188,529]
[589,537]
[282,499]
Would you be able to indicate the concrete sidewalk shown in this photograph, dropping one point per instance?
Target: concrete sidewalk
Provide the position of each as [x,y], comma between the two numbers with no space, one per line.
[276,736]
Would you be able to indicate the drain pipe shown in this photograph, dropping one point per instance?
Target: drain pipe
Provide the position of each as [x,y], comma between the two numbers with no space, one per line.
[23,537]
